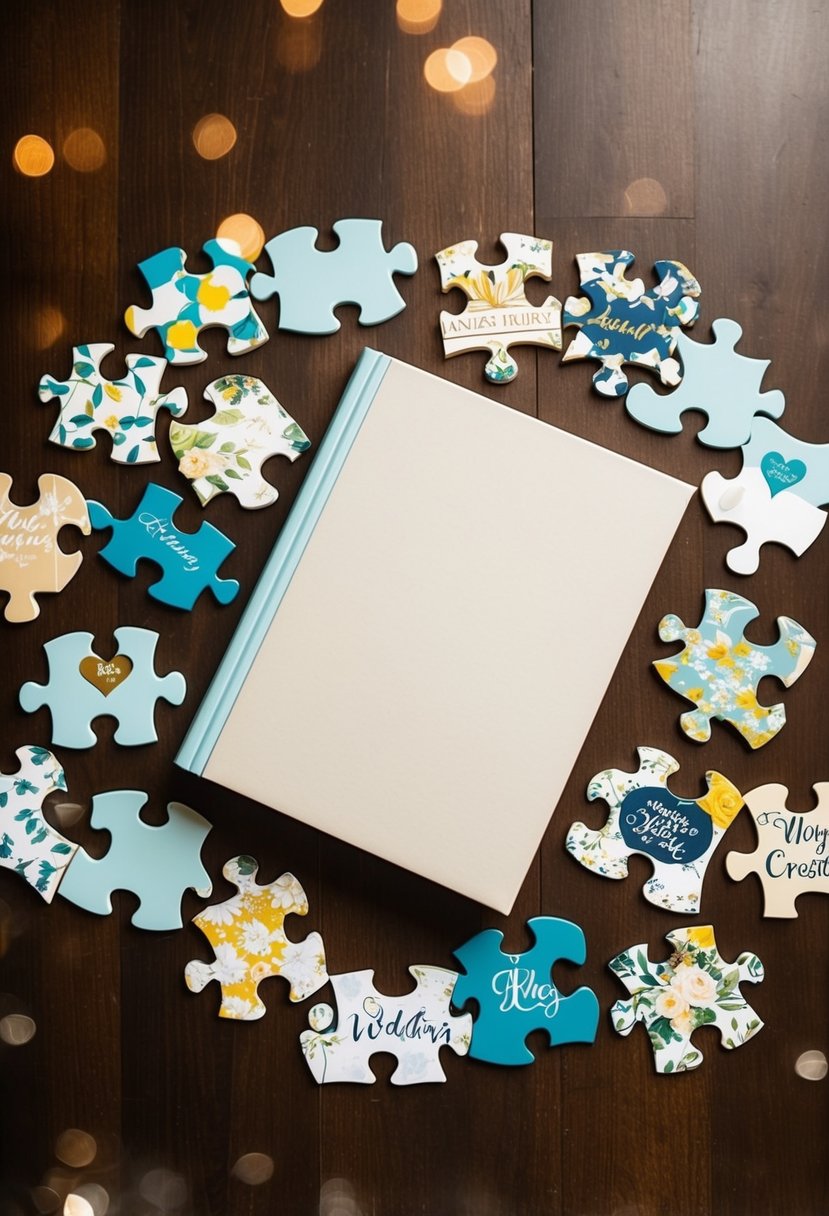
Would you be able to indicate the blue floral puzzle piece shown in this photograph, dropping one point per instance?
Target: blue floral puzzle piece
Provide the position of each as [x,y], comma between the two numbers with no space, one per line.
[189,560]
[716,380]
[619,322]
[311,282]
[29,845]
[82,687]
[719,670]
[156,863]
[515,994]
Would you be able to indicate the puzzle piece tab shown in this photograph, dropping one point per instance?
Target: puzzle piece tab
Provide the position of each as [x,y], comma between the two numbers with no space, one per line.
[82,687]
[184,304]
[515,994]
[498,314]
[189,560]
[156,863]
[31,560]
[695,987]
[311,282]
[249,943]
[719,670]
[126,409]
[792,854]
[679,835]
[776,497]
[225,453]
[413,1028]
[619,322]
[717,380]
[28,844]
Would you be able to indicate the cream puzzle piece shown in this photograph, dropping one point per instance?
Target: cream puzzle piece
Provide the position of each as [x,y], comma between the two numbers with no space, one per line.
[30,558]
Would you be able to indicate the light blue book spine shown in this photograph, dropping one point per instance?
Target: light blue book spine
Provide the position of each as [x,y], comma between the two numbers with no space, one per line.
[276,576]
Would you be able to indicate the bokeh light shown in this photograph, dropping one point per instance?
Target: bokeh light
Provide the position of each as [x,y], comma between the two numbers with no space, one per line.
[418,16]
[95,1195]
[476,98]
[481,54]
[301,8]
[45,1200]
[811,1065]
[245,231]
[214,136]
[48,325]
[84,150]
[77,1205]
[33,156]
[67,813]
[446,70]
[17,1029]
[163,1188]
[645,196]
[337,1198]
[254,1168]
[76,1148]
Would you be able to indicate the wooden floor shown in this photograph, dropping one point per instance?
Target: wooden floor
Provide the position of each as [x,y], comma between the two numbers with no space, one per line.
[676,129]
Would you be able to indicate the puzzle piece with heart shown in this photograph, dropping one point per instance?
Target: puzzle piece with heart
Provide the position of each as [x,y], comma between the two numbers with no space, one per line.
[719,669]
[31,561]
[498,314]
[776,497]
[679,835]
[29,845]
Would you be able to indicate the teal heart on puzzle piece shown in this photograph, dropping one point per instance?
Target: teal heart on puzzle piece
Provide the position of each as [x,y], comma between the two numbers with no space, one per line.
[781,474]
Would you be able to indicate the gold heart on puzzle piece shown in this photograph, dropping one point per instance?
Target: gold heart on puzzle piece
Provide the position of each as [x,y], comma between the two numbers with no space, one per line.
[105,675]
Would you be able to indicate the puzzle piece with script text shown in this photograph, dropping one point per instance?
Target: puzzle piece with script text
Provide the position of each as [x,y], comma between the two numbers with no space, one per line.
[31,561]
[679,835]
[28,844]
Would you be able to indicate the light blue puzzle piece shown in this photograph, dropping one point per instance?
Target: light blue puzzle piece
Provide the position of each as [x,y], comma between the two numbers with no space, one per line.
[189,560]
[156,863]
[311,282]
[515,994]
[717,381]
[83,686]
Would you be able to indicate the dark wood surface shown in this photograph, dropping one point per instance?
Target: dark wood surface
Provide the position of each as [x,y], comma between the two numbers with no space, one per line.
[688,130]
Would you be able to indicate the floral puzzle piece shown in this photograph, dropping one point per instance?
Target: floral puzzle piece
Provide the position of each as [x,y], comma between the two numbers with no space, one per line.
[82,687]
[515,995]
[696,987]
[184,304]
[412,1027]
[312,282]
[719,670]
[126,409]
[791,855]
[717,380]
[250,945]
[776,497]
[28,844]
[31,561]
[189,560]
[156,863]
[498,314]
[225,453]
[619,322]
[679,835]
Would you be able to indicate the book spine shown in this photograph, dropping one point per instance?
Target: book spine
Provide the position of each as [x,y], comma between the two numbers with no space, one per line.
[278,571]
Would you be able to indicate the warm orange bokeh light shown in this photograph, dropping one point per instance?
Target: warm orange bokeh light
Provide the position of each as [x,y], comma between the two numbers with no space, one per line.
[245,231]
[84,150]
[418,16]
[481,54]
[301,8]
[214,136]
[49,324]
[33,156]
[476,98]
[76,1148]
[446,71]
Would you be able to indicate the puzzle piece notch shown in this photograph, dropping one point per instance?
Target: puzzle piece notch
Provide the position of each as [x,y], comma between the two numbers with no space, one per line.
[719,669]
[619,322]
[246,933]
[776,497]
[718,381]
[29,845]
[31,561]
[678,835]
[791,855]
[189,560]
[498,314]
[127,691]
[311,282]
[184,303]
[413,1027]
[695,987]
[515,995]
[225,453]
[126,409]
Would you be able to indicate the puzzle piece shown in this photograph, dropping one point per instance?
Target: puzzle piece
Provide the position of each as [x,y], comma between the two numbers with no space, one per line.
[184,304]
[126,409]
[412,1027]
[82,687]
[791,855]
[225,453]
[696,987]
[719,670]
[28,844]
[31,560]
[515,996]
[156,863]
[717,380]
[189,560]
[776,497]
[619,322]
[249,943]
[311,282]
[498,314]
[679,835]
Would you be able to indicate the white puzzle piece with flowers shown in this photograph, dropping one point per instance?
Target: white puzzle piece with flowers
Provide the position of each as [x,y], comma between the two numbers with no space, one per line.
[29,845]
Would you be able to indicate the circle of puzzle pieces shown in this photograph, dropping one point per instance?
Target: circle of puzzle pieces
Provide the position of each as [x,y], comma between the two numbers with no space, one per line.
[30,846]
